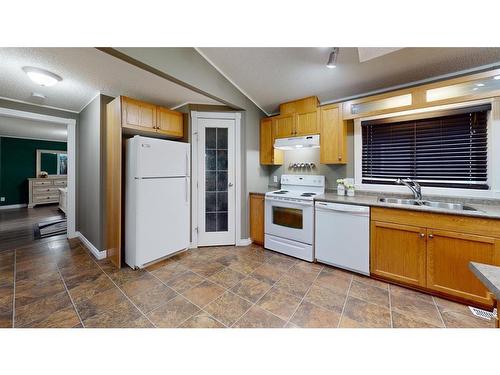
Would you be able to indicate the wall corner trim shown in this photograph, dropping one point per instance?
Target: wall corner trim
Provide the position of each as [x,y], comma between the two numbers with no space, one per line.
[94,250]
[243,242]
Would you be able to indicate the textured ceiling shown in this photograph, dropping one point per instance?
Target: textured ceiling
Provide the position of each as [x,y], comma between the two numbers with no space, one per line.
[21,128]
[270,76]
[85,73]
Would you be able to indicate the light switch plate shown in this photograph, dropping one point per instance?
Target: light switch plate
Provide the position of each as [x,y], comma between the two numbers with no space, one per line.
[275,178]
[2,199]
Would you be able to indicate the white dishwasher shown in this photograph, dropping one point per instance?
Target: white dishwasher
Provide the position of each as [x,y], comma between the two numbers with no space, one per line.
[343,236]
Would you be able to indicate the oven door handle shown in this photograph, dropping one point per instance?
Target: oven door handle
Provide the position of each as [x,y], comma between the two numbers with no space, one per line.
[290,202]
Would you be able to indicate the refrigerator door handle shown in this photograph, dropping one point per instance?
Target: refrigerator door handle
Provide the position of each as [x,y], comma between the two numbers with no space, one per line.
[187,164]
[187,189]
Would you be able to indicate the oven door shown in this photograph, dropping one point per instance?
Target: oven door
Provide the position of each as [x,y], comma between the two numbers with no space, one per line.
[290,220]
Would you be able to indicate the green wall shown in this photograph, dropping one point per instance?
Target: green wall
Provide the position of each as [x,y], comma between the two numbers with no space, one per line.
[17,163]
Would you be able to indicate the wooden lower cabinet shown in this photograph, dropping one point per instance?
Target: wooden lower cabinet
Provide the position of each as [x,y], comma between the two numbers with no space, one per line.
[257,218]
[408,248]
[398,252]
[448,257]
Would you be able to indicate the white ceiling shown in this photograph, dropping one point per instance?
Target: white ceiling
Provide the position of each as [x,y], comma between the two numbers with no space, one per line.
[85,73]
[270,76]
[22,128]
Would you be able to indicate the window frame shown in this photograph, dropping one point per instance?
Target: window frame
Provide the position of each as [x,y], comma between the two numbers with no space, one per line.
[493,179]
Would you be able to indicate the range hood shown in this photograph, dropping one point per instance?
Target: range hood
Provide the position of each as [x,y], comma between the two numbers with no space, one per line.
[294,143]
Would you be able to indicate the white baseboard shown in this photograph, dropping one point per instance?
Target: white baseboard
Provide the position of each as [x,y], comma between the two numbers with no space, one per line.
[244,242]
[94,250]
[11,206]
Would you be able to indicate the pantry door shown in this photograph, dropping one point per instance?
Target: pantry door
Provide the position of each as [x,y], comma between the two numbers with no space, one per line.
[216,182]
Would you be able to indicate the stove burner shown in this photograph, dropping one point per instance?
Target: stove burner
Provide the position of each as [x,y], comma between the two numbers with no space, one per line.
[281,192]
[307,194]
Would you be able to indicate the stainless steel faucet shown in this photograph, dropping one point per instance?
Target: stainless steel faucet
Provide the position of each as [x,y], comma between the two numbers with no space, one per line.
[413,185]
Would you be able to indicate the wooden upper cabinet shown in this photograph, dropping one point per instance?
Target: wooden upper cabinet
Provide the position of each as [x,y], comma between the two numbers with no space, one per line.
[137,114]
[448,257]
[170,122]
[268,155]
[307,123]
[284,125]
[398,252]
[333,135]
[304,105]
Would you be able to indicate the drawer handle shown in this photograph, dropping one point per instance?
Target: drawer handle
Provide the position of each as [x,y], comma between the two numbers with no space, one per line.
[422,235]
[431,236]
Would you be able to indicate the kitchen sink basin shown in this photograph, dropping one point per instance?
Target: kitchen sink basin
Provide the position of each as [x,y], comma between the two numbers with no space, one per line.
[433,204]
[411,202]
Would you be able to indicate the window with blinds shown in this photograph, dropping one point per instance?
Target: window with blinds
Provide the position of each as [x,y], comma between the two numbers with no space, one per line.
[442,149]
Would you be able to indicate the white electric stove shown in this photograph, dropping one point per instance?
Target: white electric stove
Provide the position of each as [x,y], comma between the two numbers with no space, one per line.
[289,216]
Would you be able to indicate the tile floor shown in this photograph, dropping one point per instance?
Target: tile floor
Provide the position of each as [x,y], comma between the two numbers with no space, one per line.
[58,284]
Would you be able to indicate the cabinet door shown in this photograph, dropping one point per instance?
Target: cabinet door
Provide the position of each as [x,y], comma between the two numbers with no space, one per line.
[257,218]
[170,123]
[448,257]
[398,252]
[137,114]
[307,123]
[284,126]
[333,136]
[268,155]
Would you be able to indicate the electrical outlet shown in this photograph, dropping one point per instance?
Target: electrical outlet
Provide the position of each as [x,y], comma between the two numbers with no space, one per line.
[275,178]
[2,199]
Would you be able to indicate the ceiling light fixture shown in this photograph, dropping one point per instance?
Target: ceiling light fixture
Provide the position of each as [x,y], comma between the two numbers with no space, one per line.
[332,60]
[496,77]
[41,77]
[479,84]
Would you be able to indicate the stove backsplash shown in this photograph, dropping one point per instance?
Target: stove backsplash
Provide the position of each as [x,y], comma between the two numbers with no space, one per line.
[306,156]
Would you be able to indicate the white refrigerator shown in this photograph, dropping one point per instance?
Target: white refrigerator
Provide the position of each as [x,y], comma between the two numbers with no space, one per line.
[157,199]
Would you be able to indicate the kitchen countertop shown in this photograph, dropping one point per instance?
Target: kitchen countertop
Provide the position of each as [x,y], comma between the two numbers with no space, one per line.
[488,275]
[486,208]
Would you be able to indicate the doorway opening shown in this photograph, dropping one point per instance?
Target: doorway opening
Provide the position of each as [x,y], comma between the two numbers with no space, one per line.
[37,178]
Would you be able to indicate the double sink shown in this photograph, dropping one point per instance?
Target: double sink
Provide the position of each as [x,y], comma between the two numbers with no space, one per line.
[433,204]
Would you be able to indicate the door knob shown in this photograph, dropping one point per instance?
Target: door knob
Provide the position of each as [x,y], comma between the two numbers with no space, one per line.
[230,184]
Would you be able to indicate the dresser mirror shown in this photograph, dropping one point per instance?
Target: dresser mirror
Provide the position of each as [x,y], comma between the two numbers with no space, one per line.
[54,162]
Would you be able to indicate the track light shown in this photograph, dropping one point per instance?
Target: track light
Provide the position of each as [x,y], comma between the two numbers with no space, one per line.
[332,60]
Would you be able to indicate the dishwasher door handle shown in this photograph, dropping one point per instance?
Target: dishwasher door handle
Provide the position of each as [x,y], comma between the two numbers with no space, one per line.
[343,208]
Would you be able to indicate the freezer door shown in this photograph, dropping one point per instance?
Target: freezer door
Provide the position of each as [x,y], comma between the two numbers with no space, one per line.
[161,158]
[162,218]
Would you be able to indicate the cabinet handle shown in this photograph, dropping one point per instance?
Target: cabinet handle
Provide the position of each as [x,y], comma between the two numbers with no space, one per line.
[422,235]
[431,235]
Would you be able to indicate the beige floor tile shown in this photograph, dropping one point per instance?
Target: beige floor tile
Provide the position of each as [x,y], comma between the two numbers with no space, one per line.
[328,298]
[227,278]
[251,289]
[453,319]
[41,309]
[123,315]
[64,318]
[403,321]
[169,271]
[372,282]
[281,262]
[305,271]
[173,313]
[309,315]
[139,285]
[204,293]
[267,273]
[257,317]
[244,266]
[28,291]
[398,291]
[333,280]
[446,305]
[279,303]
[369,293]
[88,289]
[100,302]
[293,285]
[207,269]
[416,307]
[185,281]
[359,313]
[228,308]
[202,320]
[150,299]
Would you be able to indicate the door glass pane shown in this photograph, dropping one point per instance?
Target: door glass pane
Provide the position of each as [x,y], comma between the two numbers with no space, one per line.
[216,194]
[287,217]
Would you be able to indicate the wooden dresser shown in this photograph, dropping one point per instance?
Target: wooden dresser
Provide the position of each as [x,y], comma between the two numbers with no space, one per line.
[45,190]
